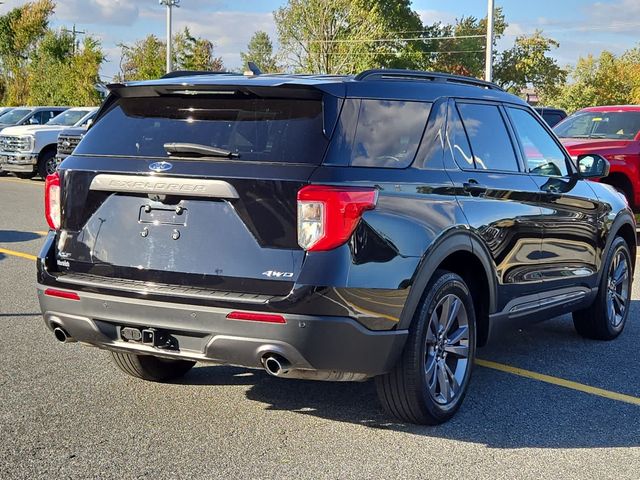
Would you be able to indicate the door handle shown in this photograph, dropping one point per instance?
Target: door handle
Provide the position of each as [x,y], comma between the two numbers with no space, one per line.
[474,188]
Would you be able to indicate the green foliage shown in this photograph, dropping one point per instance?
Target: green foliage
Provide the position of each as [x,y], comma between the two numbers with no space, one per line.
[191,53]
[464,55]
[146,59]
[346,36]
[59,75]
[604,80]
[21,29]
[528,63]
[143,60]
[260,51]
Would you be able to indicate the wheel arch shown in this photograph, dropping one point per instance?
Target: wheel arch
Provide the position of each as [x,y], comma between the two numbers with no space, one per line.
[462,253]
[623,226]
[47,149]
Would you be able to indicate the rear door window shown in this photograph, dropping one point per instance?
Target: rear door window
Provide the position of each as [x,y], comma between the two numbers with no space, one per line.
[255,129]
[489,137]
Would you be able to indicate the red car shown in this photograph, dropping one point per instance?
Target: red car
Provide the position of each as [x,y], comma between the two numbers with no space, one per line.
[614,133]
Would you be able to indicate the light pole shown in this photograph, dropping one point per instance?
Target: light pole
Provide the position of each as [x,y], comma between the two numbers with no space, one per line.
[488,67]
[169,4]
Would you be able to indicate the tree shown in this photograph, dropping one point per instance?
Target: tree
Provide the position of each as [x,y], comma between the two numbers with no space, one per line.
[260,51]
[528,63]
[347,36]
[605,80]
[58,74]
[20,31]
[465,54]
[193,53]
[146,58]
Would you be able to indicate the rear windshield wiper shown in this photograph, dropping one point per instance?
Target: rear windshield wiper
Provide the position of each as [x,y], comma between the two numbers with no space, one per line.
[198,150]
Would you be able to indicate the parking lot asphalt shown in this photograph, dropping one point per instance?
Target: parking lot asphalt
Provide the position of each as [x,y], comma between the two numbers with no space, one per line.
[67,412]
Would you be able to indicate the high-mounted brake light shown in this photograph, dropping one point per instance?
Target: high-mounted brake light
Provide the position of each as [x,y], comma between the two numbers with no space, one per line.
[52,200]
[257,317]
[327,216]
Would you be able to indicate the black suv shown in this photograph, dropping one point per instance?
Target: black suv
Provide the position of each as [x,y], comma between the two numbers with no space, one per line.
[327,227]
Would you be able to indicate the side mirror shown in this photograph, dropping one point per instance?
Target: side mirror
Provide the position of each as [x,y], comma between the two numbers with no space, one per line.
[88,123]
[592,165]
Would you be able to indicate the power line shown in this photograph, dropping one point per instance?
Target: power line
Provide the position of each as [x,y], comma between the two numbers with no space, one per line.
[377,40]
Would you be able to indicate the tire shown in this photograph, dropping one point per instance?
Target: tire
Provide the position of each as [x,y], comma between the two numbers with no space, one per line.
[429,361]
[606,317]
[47,163]
[153,369]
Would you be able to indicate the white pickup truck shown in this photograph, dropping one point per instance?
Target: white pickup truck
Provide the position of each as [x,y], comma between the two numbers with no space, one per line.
[28,150]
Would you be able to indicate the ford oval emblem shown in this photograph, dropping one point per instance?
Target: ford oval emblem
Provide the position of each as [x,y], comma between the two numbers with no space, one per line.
[160,166]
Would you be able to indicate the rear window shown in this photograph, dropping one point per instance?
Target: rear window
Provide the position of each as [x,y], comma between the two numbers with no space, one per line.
[610,125]
[256,129]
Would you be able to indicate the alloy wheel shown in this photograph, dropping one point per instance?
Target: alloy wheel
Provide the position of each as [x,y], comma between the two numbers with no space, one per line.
[618,289]
[447,349]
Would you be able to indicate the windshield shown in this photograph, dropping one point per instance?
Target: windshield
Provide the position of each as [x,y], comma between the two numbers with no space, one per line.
[14,116]
[255,129]
[68,118]
[610,125]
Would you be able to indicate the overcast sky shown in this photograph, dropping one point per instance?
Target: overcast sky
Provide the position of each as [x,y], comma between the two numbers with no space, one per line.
[581,26]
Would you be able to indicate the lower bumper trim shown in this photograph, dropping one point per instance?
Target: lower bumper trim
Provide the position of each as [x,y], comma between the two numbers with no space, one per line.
[337,344]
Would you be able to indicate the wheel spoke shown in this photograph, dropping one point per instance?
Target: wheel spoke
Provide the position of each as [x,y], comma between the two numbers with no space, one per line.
[452,381]
[460,334]
[620,272]
[430,368]
[611,311]
[432,329]
[443,381]
[457,350]
[453,313]
[444,312]
[619,301]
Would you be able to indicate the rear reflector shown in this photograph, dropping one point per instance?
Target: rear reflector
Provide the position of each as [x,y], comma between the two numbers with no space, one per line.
[257,317]
[52,292]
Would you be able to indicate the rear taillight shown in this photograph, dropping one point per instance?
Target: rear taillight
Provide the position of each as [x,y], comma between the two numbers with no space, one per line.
[327,216]
[52,200]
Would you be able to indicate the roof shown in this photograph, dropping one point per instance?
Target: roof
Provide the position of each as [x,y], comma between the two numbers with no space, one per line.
[613,108]
[387,84]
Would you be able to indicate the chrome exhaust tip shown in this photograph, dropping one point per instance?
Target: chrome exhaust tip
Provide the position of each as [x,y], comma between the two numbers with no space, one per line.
[62,336]
[275,365]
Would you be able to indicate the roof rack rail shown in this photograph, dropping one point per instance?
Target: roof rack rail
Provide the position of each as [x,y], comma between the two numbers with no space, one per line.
[191,73]
[395,74]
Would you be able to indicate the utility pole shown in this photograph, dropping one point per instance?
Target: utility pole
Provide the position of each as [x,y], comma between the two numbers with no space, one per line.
[488,68]
[75,33]
[169,4]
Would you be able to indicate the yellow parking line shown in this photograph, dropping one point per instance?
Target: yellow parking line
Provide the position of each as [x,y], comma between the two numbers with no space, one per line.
[13,253]
[42,233]
[561,382]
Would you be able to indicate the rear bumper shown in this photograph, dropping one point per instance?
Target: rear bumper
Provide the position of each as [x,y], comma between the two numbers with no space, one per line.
[203,333]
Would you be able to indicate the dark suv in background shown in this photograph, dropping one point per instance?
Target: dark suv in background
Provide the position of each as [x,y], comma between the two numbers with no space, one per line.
[327,227]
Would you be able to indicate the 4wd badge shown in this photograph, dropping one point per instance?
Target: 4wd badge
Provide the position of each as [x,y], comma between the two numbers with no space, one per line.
[274,274]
